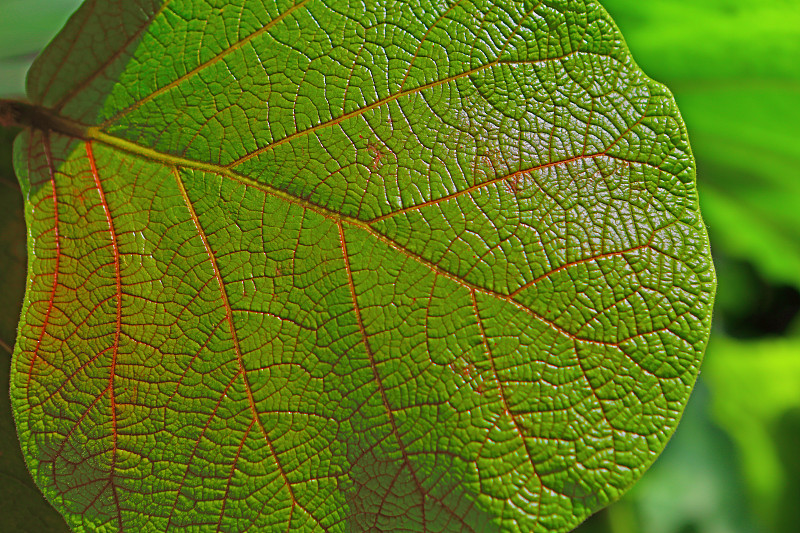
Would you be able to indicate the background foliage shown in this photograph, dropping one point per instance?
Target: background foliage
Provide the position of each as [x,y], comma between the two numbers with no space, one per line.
[732,64]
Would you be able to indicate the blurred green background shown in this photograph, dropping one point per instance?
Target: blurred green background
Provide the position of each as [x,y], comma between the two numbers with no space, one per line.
[734,67]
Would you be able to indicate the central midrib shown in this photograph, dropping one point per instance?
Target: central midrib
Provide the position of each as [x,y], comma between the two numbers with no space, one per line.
[42,118]
[180,162]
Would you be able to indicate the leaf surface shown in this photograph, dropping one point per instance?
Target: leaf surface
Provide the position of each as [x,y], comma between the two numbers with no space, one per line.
[325,266]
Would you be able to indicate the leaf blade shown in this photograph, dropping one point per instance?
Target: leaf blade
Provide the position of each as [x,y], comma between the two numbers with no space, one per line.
[574,258]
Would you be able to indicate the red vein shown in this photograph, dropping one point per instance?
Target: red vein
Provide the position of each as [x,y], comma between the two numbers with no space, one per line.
[80,419]
[77,89]
[579,262]
[232,472]
[375,373]
[182,483]
[484,184]
[433,267]
[500,388]
[236,46]
[579,360]
[51,299]
[424,39]
[118,325]
[357,112]
[235,338]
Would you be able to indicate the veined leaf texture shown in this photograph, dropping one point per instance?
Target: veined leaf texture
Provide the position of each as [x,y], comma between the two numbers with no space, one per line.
[333,265]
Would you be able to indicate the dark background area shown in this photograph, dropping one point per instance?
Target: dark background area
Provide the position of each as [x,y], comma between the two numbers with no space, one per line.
[734,66]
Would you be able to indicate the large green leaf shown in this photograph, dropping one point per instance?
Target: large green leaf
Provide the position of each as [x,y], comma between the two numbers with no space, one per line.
[329,266]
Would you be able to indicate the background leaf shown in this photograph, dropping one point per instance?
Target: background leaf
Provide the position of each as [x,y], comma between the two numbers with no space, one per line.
[757,386]
[25,28]
[13,259]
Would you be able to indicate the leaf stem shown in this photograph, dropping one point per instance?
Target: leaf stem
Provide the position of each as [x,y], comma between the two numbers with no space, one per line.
[6,347]
[14,113]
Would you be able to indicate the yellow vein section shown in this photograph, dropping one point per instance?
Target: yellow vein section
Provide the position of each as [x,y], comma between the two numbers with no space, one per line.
[236,46]
[176,161]
[95,133]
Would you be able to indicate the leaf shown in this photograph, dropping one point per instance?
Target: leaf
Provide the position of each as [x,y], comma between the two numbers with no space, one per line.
[733,66]
[316,267]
